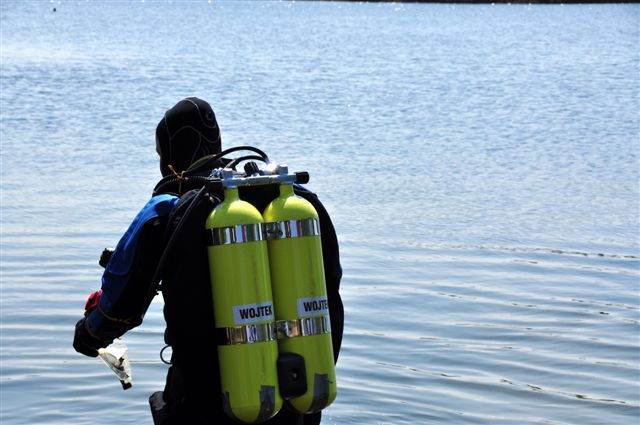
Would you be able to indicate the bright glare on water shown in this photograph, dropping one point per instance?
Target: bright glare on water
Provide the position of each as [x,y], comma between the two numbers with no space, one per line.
[480,163]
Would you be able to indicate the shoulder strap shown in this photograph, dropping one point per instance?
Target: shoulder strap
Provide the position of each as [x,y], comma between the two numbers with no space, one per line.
[188,203]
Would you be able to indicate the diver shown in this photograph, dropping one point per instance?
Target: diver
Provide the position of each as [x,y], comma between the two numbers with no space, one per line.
[166,243]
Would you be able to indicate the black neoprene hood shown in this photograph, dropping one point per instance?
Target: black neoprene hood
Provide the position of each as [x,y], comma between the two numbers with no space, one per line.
[187,132]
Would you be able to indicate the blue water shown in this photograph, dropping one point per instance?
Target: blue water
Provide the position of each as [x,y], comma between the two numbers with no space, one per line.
[480,163]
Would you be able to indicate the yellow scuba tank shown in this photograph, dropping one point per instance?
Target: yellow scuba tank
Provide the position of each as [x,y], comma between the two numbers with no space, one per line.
[244,314]
[300,295]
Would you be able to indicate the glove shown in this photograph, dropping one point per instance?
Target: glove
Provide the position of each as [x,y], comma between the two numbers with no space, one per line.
[85,343]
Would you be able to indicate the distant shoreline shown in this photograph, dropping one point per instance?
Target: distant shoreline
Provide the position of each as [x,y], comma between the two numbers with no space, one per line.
[491,2]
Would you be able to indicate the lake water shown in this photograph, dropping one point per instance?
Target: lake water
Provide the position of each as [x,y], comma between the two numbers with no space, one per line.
[480,163]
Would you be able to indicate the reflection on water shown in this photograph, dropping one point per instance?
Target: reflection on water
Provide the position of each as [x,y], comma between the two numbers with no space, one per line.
[480,164]
[489,336]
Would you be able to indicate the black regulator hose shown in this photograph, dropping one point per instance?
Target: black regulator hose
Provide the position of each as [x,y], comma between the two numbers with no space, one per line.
[236,161]
[153,287]
[171,179]
[207,159]
[167,182]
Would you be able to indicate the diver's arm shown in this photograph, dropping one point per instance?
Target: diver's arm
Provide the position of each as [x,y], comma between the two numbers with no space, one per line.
[124,297]
[127,279]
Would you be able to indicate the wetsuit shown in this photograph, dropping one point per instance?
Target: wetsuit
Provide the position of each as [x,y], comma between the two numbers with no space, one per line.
[192,391]
[128,274]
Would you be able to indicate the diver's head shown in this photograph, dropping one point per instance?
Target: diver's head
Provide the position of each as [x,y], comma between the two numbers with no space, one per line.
[186,133]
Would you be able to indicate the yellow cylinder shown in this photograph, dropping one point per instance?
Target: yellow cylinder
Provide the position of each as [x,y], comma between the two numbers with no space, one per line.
[300,294]
[243,308]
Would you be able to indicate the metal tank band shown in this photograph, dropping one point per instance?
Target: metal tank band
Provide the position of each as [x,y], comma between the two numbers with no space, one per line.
[235,234]
[247,334]
[308,326]
[292,228]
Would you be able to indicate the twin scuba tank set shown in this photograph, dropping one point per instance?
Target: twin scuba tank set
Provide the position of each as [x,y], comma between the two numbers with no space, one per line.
[269,295]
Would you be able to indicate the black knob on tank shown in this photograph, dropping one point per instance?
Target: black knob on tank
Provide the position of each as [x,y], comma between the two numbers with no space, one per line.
[251,168]
[302,177]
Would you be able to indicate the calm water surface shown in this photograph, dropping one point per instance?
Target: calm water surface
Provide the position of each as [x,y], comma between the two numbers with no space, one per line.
[481,165]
